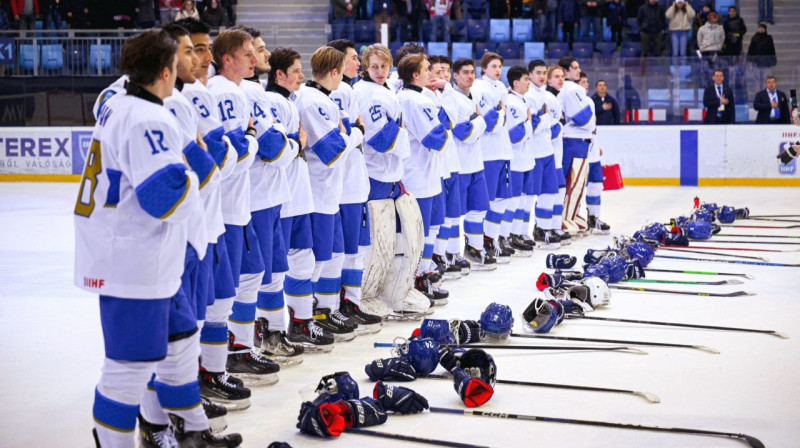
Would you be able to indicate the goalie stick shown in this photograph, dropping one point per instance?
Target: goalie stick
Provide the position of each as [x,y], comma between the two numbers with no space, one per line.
[686,293]
[680,271]
[417,439]
[616,341]
[650,397]
[676,324]
[533,347]
[683,282]
[755,263]
[750,440]
[690,250]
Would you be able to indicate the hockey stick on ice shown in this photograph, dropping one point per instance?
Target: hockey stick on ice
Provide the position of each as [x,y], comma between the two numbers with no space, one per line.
[652,398]
[750,440]
[755,263]
[741,226]
[771,216]
[423,440]
[534,347]
[680,271]
[790,243]
[758,218]
[690,250]
[676,324]
[686,293]
[616,341]
[683,282]
[757,236]
[743,249]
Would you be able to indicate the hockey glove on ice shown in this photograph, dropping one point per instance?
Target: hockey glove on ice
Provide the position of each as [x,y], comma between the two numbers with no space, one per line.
[473,391]
[399,399]
[321,420]
[390,369]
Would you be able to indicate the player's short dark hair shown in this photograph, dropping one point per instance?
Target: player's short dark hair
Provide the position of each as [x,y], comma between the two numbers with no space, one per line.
[461,63]
[445,60]
[434,59]
[342,45]
[536,63]
[409,65]
[515,73]
[488,57]
[193,26]
[566,62]
[281,59]
[771,77]
[407,49]
[718,70]
[227,42]
[175,31]
[326,59]
[253,32]
[599,81]
[144,56]
[583,75]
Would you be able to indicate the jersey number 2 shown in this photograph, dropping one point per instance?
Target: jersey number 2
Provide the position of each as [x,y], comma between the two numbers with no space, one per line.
[93,168]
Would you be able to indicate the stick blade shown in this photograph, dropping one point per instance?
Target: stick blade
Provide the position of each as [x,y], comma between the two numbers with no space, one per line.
[749,276]
[651,397]
[633,350]
[740,294]
[733,281]
[779,334]
[752,441]
[706,349]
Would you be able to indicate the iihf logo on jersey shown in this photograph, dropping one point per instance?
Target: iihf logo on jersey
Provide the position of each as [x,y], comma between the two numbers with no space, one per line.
[81,140]
[788,168]
[93,282]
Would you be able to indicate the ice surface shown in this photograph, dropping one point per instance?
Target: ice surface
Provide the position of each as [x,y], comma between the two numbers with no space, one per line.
[52,349]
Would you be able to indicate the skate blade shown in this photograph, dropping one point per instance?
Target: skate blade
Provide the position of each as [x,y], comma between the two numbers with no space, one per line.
[217,425]
[465,271]
[484,267]
[286,361]
[439,302]
[368,329]
[452,275]
[252,380]
[344,337]
[313,348]
[523,253]
[547,246]
[600,232]
[503,260]
[407,315]
[231,405]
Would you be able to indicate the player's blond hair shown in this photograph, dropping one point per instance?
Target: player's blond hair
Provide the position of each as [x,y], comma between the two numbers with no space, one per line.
[376,50]
[553,68]
[324,60]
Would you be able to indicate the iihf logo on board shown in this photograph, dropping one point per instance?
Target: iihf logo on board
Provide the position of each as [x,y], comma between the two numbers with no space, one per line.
[789,168]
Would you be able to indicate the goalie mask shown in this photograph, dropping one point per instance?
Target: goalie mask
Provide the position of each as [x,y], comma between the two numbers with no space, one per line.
[422,354]
[540,315]
[336,387]
[497,320]
[437,329]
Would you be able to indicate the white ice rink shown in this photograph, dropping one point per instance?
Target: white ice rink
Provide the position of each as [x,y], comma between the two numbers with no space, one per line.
[52,344]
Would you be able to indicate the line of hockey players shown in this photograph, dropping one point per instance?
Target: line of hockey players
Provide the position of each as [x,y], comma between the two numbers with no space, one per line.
[230,204]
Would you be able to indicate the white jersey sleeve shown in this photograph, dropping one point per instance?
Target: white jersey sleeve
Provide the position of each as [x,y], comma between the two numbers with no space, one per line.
[578,113]
[210,127]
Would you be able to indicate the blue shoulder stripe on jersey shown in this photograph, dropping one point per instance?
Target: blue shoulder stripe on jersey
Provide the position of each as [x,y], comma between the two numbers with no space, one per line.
[555,130]
[161,193]
[445,119]
[271,145]
[583,116]
[462,131]
[239,142]
[491,118]
[436,138]
[112,196]
[535,120]
[216,146]
[347,126]
[199,161]
[383,140]
[329,147]
[517,133]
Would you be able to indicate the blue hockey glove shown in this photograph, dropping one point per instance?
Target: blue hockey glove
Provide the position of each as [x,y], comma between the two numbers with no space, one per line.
[399,399]
[390,369]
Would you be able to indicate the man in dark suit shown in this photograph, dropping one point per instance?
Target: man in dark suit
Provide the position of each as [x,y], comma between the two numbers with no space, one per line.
[718,101]
[771,104]
[605,106]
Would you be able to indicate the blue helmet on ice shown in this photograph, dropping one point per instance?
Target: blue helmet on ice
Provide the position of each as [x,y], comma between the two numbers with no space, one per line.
[615,266]
[702,214]
[726,214]
[422,354]
[497,319]
[640,251]
[596,270]
[710,206]
[335,387]
[654,232]
[437,329]
[698,230]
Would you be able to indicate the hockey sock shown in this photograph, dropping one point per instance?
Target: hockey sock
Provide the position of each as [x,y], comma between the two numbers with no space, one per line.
[494,218]
[593,192]
[329,284]
[176,384]
[558,208]
[442,237]
[509,206]
[243,313]
[297,285]
[454,241]
[544,211]
[214,336]
[151,408]
[270,304]
[116,401]
[473,228]
[353,274]
[426,262]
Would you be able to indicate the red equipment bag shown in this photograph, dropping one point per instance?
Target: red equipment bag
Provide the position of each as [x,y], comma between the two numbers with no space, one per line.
[612,177]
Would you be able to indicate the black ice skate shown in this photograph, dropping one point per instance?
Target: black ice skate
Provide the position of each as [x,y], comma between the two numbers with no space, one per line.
[566,238]
[459,261]
[521,247]
[367,323]
[222,388]
[437,296]
[216,415]
[335,323]
[203,439]
[156,436]
[503,252]
[308,334]
[546,239]
[447,270]
[480,260]
[274,345]
[254,369]
[597,226]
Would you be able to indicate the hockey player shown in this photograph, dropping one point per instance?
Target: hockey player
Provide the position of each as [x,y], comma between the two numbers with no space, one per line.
[353,203]
[285,78]
[326,150]
[386,145]
[422,175]
[545,176]
[579,124]
[136,171]
[555,81]
[594,180]
[492,95]
[468,127]
[520,129]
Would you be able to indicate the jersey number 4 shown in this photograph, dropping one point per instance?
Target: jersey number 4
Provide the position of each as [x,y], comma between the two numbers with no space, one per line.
[93,168]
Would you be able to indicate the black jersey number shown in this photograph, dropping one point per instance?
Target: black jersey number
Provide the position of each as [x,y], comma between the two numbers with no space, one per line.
[94,166]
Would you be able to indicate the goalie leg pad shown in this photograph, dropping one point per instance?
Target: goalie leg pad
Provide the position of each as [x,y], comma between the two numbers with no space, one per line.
[380,254]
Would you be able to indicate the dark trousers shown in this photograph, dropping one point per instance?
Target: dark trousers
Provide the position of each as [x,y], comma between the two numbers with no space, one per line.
[616,34]
[568,33]
[655,38]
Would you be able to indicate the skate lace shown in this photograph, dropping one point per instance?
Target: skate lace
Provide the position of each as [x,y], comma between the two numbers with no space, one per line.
[225,379]
[165,438]
[338,317]
[314,331]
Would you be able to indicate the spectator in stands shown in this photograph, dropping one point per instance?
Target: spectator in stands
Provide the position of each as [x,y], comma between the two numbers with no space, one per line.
[4,25]
[628,96]
[25,12]
[735,30]
[765,11]
[188,11]
[439,11]
[591,17]
[711,36]
[550,10]
[120,12]
[214,16]
[718,101]
[382,13]
[680,15]
[700,19]
[771,104]
[168,9]
[101,16]
[617,20]
[78,15]
[762,48]
[606,108]
[344,12]
[569,14]
[363,9]
[56,13]
[652,23]
[145,14]
[498,9]
[410,14]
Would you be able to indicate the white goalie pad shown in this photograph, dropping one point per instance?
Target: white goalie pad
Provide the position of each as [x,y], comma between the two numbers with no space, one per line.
[576,190]
[379,255]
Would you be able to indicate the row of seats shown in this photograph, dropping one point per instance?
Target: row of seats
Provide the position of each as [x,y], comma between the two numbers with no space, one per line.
[51,56]
[526,51]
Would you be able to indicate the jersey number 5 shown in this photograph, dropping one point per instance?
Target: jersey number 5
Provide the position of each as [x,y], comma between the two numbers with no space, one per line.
[93,168]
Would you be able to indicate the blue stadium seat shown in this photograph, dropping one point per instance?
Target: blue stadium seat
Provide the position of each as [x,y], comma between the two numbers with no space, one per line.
[458,30]
[606,48]
[438,49]
[606,30]
[504,74]
[631,49]
[462,50]
[26,56]
[393,47]
[509,50]
[477,30]
[533,50]
[556,50]
[365,30]
[475,9]
[522,30]
[338,28]
[52,57]
[722,9]
[499,30]
[426,29]
[105,56]
[481,48]
[582,50]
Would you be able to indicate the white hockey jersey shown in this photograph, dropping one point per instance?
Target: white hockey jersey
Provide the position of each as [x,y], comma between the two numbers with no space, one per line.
[556,127]
[541,121]
[447,110]
[490,94]
[234,113]
[468,128]
[116,87]
[422,174]
[135,197]
[326,146]
[578,111]
[384,146]
[269,185]
[519,132]
[285,113]
[356,179]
